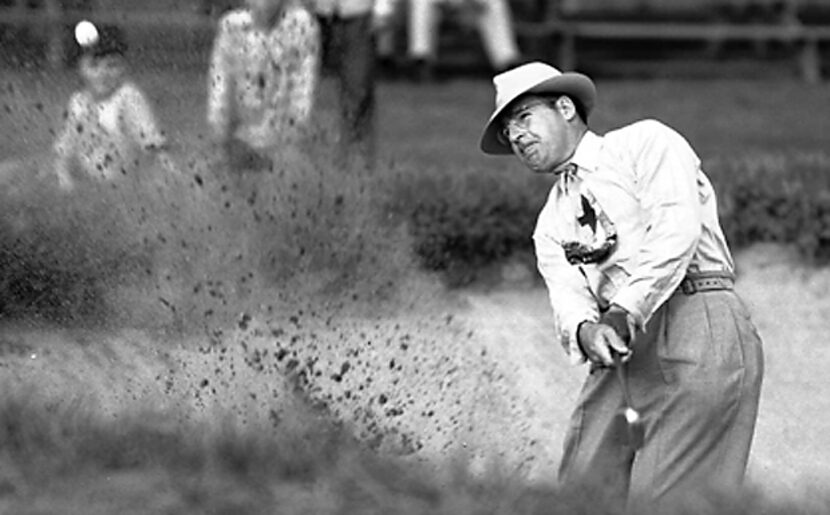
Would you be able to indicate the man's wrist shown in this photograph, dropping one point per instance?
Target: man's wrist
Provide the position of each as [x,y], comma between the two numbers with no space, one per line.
[620,320]
[579,336]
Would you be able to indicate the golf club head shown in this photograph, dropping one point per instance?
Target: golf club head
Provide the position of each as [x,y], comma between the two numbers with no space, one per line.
[636,428]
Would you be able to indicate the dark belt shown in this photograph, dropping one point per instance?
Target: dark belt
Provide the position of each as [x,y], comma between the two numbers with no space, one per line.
[695,282]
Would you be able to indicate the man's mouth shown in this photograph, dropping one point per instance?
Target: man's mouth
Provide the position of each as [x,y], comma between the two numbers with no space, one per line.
[528,149]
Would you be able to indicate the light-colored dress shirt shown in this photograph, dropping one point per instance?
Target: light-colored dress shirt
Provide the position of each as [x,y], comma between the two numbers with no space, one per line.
[644,182]
[105,137]
[262,82]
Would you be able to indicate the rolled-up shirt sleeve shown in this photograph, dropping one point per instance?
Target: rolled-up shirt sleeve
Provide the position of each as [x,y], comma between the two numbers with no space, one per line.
[570,296]
[666,177]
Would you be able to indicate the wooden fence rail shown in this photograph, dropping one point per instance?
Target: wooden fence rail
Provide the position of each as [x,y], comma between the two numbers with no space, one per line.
[563,23]
[804,39]
[551,31]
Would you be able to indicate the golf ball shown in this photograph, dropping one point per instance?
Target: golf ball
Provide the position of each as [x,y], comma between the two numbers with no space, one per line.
[85,33]
[631,415]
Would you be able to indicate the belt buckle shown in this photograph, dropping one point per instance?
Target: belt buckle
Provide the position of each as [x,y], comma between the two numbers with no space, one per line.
[687,286]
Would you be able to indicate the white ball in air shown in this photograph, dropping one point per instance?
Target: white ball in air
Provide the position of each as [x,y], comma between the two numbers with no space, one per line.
[85,33]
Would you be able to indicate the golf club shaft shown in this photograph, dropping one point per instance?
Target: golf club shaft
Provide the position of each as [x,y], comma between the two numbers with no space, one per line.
[623,378]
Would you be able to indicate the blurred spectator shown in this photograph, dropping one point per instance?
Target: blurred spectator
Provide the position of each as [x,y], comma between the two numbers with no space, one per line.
[109,123]
[491,17]
[262,81]
[349,29]
[388,40]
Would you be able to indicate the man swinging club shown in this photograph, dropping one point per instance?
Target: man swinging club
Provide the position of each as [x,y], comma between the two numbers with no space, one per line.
[641,284]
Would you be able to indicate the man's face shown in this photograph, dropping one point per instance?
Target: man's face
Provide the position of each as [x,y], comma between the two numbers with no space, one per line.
[103,75]
[539,133]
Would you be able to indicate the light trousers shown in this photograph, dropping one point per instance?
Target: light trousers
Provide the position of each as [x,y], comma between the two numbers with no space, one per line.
[494,25]
[695,378]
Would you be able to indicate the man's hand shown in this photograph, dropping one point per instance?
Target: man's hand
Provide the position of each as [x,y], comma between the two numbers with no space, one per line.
[601,343]
[617,318]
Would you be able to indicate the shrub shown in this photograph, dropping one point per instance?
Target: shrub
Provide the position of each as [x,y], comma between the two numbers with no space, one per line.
[58,253]
[776,198]
[463,223]
[195,250]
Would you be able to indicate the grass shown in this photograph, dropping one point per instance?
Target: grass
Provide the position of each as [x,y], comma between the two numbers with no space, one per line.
[138,468]
[67,464]
[70,452]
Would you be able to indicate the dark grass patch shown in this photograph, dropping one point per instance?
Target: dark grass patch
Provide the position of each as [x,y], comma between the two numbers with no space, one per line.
[62,459]
[779,198]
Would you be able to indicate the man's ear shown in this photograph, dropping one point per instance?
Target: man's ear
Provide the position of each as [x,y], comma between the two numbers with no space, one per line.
[566,107]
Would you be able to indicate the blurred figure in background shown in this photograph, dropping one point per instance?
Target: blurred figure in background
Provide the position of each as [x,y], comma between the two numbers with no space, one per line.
[388,39]
[108,133]
[349,28]
[261,86]
[109,124]
[491,17]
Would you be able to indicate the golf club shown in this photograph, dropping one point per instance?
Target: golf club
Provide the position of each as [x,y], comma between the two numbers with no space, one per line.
[632,416]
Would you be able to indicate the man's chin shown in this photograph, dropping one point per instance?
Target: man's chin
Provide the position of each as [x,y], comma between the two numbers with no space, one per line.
[536,167]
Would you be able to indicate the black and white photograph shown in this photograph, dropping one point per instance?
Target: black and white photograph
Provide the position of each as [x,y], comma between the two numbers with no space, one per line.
[405,257]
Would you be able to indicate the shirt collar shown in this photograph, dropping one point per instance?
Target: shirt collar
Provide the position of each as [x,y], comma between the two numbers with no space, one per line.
[586,155]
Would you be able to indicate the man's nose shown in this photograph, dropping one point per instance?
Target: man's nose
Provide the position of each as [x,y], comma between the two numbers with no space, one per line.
[516,135]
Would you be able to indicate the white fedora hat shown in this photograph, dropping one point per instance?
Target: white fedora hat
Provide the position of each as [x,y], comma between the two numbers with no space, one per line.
[535,78]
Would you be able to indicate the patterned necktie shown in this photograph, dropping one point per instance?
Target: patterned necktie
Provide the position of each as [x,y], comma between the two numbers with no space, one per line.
[595,235]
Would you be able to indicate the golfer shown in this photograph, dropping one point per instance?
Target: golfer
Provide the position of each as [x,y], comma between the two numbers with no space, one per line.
[640,277]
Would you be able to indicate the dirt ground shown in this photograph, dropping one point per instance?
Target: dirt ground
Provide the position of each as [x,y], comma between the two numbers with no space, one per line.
[510,407]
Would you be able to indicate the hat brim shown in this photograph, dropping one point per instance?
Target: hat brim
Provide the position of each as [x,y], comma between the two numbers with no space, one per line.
[576,85]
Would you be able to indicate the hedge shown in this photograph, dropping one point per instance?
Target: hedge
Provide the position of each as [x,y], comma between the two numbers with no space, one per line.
[63,260]
[469,223]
